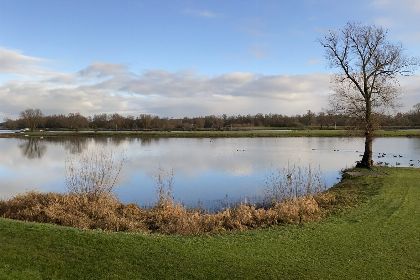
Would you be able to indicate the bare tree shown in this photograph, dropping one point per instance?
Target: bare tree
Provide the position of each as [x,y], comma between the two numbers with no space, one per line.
[367,80]
[416,108]
[117,121]
[77,121]
[32,118]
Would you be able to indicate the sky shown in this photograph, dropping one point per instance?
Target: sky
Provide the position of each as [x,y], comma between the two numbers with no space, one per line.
[183,58]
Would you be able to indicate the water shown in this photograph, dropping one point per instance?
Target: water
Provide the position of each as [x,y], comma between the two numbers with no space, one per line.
[206,171]
[5,131]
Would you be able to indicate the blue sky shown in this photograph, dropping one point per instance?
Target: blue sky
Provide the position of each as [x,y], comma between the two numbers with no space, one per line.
[209,42]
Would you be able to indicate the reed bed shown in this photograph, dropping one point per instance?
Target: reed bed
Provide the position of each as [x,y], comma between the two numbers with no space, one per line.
[105,212]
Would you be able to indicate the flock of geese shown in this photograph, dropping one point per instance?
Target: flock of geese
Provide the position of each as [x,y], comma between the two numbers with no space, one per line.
[388,159]
[397,157]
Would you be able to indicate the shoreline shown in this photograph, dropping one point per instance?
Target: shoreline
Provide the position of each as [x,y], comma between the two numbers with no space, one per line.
[214,134]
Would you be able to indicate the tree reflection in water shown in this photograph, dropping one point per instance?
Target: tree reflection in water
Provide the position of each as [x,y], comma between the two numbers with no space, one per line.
[33,148]
[75,145]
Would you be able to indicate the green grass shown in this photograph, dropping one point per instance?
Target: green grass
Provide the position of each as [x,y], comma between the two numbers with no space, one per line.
[377,239]
[221,134]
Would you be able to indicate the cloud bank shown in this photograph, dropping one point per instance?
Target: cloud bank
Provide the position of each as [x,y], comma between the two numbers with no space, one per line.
[106,87]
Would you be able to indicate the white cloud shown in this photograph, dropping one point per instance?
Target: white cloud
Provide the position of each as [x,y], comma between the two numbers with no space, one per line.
[101,70]
[201,13]
[14,62]
[410,91]
[313,61]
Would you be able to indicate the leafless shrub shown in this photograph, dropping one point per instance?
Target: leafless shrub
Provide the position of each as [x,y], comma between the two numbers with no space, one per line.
[293,182]
[96,171]
[164,186]
[84,211]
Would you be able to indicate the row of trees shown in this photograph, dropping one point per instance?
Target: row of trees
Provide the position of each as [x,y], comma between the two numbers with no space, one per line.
[34,119]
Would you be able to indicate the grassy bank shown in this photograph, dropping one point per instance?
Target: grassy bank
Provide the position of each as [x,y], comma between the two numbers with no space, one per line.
[378,239]
[218,134]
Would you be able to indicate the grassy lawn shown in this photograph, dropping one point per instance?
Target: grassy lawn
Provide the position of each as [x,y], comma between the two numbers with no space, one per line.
[378,239]
[220,134]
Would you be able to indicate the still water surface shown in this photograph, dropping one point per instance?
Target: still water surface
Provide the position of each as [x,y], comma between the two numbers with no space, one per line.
[206,171]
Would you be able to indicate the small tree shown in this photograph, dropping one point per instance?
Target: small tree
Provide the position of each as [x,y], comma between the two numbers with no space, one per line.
[367,79]
[32,118]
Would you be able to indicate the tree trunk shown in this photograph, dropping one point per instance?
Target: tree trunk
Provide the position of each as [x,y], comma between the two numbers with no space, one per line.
[367,161]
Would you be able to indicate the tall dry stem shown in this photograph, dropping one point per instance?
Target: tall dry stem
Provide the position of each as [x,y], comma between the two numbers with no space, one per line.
[164,186]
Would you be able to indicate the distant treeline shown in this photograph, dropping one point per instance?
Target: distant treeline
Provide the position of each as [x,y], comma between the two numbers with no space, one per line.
[34,119]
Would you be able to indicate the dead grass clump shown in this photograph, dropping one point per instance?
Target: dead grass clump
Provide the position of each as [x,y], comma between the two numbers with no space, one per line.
[29,206]
[298,210]
[326,200]
[245,217]
[172,218]
[77,210]
[176,219]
